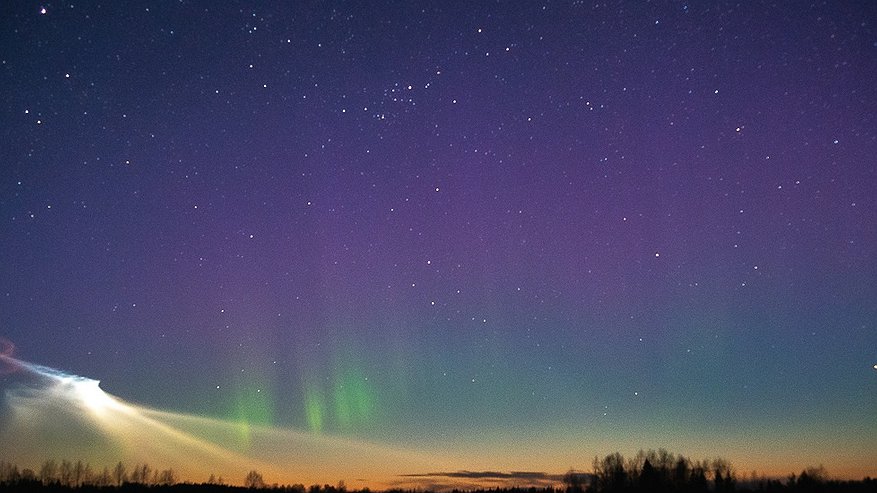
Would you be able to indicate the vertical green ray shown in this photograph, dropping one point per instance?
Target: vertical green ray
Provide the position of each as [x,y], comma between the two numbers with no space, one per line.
[315,408]
[354,397]
[253,405]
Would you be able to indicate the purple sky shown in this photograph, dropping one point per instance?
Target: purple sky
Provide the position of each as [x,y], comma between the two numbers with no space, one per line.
[454,223]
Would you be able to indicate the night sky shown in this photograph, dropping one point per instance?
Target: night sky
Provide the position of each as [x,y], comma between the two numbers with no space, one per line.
[508,236]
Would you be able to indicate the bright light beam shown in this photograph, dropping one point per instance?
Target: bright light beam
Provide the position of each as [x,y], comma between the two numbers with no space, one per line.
[106,426]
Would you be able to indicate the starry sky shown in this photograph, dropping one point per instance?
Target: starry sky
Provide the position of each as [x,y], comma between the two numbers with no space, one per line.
[507,235]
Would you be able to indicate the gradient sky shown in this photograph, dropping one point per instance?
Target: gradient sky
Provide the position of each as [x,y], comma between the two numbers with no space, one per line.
[526,233]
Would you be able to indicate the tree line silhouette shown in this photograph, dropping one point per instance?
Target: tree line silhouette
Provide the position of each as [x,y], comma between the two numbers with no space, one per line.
[664,472]
[646,472]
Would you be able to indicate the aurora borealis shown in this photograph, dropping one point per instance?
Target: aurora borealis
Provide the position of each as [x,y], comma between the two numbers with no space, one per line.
[374,240]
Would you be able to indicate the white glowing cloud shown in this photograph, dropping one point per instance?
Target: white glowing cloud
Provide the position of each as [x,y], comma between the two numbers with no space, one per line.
[68,416]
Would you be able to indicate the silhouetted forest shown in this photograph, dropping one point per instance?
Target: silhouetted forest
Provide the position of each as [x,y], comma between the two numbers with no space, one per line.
[646,472]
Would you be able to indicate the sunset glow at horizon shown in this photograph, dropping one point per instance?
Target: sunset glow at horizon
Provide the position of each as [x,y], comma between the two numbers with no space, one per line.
[197,447]
[438,244]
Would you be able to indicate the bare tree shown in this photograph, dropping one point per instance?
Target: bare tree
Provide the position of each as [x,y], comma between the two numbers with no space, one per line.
[166,477]
[213,479]
[104,479]
[120,475]
[811,479]
[28,476]
[66,473]
[49,472]
[87,474]
[610,473]
[141,474]
[9,472]
[254,480]
[816,474]
[78,473]
[723,476]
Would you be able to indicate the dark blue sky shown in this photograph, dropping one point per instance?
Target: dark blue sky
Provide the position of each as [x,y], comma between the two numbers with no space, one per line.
[626,223]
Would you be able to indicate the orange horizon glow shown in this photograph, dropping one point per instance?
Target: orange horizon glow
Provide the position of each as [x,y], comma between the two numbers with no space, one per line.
[103,429]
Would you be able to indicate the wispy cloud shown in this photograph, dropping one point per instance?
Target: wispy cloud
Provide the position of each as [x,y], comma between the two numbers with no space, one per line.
[446,481]
[523,475]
